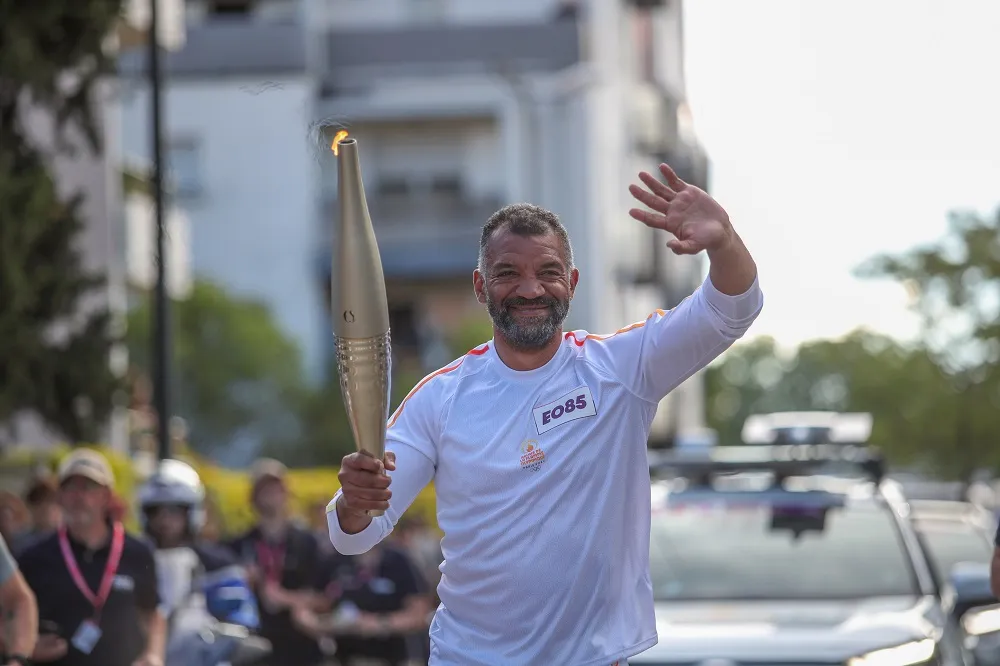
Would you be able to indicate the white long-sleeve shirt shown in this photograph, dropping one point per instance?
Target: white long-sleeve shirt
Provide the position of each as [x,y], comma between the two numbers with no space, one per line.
[542,486]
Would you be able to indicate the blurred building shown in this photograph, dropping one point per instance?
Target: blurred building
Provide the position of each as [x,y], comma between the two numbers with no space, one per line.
[459,106]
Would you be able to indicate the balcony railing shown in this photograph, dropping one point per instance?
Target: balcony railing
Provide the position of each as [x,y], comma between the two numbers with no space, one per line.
[427,235]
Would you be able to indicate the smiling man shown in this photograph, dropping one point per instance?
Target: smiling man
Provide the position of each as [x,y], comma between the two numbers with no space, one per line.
[536,443]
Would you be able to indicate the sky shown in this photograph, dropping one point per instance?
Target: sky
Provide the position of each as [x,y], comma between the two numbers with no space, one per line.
[838,130]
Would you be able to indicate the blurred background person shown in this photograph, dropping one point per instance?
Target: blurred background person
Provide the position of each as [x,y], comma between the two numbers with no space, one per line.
[316,518]
[200,583]
[19,622]
[172,513]
[995,566]
[284,563]
[380,608]
[96,586]
[42,502]
[423,544]
[15,520]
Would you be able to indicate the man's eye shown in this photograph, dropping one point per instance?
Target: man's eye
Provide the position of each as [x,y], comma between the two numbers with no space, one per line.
[505,274]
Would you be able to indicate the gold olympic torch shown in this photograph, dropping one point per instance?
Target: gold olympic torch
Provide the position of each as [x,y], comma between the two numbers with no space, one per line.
[360,310]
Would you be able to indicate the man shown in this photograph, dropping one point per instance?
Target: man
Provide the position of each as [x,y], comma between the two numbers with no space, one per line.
[42,502]
[379,602]
[284,564]
[172,513]
[995,566]
[536,443]
[20,613]
[96,585]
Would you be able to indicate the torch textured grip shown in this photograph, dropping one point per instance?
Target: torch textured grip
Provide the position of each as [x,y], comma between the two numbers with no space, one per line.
[364,365]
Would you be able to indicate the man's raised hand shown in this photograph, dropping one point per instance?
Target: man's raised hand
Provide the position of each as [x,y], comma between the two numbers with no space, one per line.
[695,219]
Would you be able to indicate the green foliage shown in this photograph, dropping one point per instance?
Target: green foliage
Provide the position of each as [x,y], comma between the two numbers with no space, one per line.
[471,333]
[42,42]
[956,287]
[326,432]
[917,416]
[236,374]
[936,404]
[56,342]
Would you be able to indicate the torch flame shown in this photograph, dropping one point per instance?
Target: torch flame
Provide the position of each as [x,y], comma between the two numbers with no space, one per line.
[337,138]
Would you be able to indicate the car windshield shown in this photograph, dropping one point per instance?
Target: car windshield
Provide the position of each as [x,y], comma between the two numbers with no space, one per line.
[776,545]
[953,543]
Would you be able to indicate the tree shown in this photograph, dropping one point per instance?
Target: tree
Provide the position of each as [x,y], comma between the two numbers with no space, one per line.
[326,433]
[237,377]
[56,342]
[956,287]
[903,388]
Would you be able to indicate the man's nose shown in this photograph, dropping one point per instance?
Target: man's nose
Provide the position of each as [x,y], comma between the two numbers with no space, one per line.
[530,288]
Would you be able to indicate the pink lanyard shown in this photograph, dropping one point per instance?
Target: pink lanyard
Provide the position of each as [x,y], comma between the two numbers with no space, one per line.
[110,569]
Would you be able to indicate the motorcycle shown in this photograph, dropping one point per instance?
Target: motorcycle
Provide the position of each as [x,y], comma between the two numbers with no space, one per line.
[211,617]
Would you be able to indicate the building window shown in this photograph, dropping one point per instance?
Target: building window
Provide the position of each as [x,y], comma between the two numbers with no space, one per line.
[393,186]
[185,168]
[450,184]
[230,7]
[403,324]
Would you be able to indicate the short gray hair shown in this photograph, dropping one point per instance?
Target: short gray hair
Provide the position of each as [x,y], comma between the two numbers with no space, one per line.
[524,220]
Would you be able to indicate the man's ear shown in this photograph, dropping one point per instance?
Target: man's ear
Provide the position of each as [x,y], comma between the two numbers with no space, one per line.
[574,278]
[479,286]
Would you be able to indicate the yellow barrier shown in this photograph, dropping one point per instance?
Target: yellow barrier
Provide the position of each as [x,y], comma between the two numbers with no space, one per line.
[228,489]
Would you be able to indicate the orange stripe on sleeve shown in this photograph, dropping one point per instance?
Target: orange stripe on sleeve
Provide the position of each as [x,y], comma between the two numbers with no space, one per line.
[631,327]
[479,351]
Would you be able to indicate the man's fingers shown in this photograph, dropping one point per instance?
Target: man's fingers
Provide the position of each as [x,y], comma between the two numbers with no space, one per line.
[653,220]
[658,204]
[390,461]
[683,247]
[672,179]
[364,493]
[656,187]
[365,505]
[364,479]
[362,462]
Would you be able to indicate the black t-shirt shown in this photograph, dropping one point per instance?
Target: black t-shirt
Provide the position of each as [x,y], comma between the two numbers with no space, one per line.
[298,560]
[382,589]
[133,593]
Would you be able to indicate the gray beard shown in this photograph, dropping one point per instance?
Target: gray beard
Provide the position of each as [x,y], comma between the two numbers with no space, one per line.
[527,337]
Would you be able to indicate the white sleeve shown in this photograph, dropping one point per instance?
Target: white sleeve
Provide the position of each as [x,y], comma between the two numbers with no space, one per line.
[413,472]
[652,358]
[412,434]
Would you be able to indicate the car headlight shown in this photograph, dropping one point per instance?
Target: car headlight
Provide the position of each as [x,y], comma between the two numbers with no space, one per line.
[979,622]
[908,654]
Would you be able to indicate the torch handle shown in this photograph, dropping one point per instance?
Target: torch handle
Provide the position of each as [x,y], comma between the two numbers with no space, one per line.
[364,366]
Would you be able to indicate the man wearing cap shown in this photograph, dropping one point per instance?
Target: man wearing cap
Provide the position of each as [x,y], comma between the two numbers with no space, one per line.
[96,586]
[284,560]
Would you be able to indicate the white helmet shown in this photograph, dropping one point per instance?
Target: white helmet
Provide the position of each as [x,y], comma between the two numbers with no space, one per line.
[175,483]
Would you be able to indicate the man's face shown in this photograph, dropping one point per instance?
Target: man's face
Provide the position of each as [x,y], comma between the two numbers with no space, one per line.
[167,523]
[527,288]
[270,498]
[84,502]
[46,515]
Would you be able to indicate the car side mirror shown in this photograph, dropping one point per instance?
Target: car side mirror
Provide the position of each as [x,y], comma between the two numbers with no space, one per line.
[971,583]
